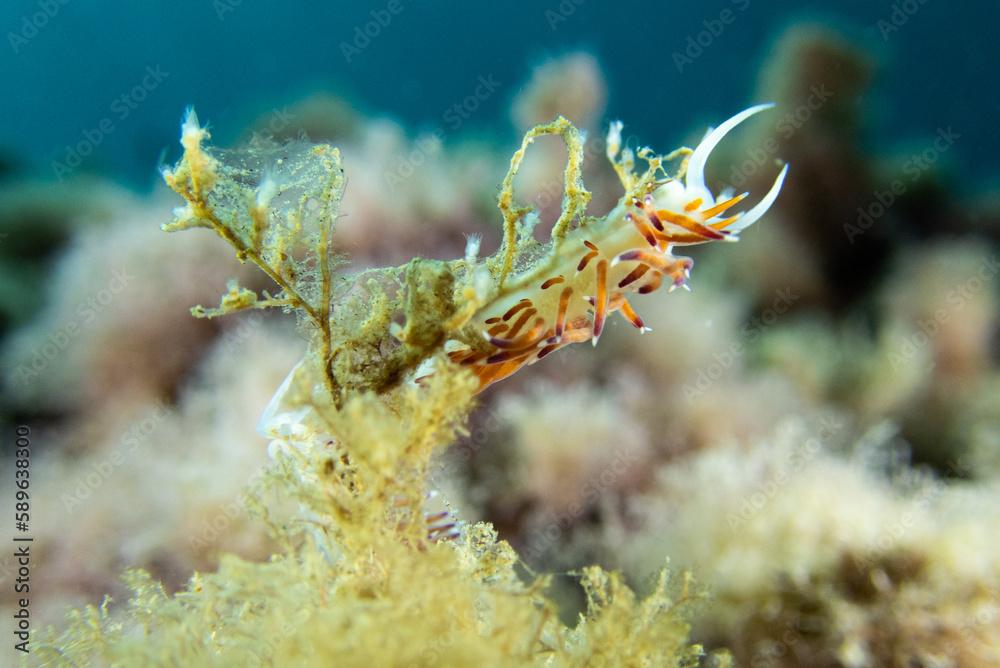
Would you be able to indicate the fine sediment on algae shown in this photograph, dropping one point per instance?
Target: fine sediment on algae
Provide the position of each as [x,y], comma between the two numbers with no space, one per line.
[365,573]
[360,579]
[674,443]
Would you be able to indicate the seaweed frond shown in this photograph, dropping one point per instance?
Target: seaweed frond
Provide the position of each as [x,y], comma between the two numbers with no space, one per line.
[359,581]
[395,359]
[277,205]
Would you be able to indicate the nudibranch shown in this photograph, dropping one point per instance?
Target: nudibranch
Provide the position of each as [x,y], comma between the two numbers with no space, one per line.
[508,320]
[593,270]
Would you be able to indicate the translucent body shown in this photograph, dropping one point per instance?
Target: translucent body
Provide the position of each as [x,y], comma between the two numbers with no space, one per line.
[594,270]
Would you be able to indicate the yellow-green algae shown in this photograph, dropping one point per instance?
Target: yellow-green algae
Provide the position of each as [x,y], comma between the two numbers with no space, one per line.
[358,581]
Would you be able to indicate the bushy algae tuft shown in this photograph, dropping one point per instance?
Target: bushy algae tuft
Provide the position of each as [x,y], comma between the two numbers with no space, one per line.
[395,359]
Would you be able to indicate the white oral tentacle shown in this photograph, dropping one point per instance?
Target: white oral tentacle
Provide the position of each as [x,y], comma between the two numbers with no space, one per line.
[759,209]
[695,177]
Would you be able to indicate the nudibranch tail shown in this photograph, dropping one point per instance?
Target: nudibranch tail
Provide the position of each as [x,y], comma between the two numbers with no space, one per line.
[592,268]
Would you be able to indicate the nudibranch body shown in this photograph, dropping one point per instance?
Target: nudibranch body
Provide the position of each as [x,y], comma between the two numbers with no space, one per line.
[508,320]
[595,268]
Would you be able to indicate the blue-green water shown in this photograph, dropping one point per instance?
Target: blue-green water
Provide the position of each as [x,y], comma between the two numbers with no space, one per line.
[69,66]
